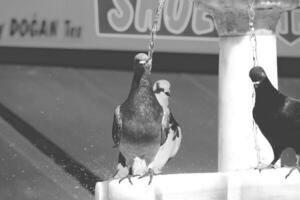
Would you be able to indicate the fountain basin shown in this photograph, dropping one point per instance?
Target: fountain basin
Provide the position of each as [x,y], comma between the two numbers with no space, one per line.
[239,185]
[231,17]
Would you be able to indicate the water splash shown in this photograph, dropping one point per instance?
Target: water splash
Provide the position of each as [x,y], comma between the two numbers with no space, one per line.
[253,42]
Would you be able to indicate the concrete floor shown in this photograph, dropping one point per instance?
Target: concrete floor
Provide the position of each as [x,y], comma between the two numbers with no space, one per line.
[68,113]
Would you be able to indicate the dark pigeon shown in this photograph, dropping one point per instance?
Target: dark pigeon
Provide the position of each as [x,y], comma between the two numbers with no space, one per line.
[277,116]
[140,125]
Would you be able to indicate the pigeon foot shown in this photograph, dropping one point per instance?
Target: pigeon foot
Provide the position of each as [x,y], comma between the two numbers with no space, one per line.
[293,168]
[150,173]
[127,177]
[262,166]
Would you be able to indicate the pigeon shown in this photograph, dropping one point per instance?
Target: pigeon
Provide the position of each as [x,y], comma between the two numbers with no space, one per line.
[171,146]
[276,115]
[139,125]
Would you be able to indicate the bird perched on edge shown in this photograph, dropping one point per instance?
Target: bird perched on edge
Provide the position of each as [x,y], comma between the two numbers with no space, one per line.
[277,116]
[140,125]
[171,146]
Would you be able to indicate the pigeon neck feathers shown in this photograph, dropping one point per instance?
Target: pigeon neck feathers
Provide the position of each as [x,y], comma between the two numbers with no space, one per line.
[266,92]
[140,79]
[141,95]
[141,89]
[142,71]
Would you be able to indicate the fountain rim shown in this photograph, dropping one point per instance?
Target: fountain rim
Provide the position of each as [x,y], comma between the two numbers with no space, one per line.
[219,5]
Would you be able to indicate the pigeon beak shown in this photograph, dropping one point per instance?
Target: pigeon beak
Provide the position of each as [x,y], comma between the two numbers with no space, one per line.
[168,94]
[142,62]
[147,64]
[256,84]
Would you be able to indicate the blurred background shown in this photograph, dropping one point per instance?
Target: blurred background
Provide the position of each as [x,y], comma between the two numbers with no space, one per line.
[66,64]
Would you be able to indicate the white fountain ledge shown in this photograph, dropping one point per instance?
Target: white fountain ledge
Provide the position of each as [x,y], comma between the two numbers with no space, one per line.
[239,185]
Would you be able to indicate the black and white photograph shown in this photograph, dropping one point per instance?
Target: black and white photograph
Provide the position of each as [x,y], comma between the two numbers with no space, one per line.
[149,99]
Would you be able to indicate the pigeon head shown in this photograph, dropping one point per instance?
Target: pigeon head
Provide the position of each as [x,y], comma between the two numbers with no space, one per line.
[161,89]
[257,75]
[142,63]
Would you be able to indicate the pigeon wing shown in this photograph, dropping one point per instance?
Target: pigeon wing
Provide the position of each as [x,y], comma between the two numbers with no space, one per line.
[165,126]
[117,126]
[177,134]
[174,126]
[291,109]
[170,144]
[122,169]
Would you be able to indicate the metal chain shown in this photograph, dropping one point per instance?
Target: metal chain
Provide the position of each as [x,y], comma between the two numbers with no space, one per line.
[154,28]
[253,41]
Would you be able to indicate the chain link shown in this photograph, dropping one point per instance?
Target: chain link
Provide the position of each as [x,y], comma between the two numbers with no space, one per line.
[154,28]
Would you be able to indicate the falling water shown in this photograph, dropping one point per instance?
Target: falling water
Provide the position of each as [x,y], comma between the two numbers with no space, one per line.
[253,41]
[251,14]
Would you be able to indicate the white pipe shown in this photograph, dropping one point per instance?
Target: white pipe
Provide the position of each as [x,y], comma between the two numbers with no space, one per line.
[236,137]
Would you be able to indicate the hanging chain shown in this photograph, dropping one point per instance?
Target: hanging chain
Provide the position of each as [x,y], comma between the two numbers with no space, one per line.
[154,28]
[253,41]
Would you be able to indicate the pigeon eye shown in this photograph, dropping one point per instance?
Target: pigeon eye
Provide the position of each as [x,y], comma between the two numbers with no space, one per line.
[158,89]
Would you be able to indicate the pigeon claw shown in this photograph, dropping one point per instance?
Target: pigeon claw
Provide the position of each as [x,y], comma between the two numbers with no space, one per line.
[127,177]
[293,168]
[150,173]
[261,167]
[115,173]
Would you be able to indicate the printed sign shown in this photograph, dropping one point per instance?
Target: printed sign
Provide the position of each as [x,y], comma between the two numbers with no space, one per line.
[289,27]
[122,25]
[134,17]
[38,28]
[180,20]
